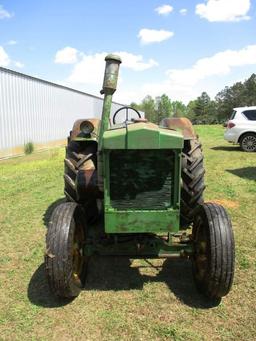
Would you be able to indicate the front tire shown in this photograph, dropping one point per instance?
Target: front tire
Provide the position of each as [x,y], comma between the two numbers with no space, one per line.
[214,258]
[65,261]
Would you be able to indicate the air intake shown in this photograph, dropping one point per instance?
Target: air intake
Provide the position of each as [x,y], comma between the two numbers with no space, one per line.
[141,179]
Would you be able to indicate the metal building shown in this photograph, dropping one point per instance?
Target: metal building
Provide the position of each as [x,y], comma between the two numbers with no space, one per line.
[38,111]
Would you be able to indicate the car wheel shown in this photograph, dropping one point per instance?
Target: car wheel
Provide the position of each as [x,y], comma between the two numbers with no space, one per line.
[248,142]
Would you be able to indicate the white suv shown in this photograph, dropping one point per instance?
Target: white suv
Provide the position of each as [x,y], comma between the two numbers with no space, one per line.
[241,128]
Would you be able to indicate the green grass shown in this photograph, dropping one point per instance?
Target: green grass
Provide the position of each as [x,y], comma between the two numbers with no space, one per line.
[123,300]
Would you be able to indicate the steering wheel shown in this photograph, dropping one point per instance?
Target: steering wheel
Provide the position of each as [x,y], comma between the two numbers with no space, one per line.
[127,109]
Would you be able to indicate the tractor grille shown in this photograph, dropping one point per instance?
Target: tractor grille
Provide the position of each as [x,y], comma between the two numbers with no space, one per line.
[141,179]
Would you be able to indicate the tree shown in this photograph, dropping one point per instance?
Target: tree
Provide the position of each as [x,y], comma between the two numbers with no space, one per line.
[224,103]
[238,95]
[202,110]
[149,107]
[179,109]
[191,110]
[164,107]
[250,90]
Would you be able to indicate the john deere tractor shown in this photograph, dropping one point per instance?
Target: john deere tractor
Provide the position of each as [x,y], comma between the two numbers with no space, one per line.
[135,189]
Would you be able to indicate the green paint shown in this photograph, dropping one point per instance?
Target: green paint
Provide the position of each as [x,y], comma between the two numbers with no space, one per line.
[105,118]
[142,221]
[142,136]
[142,166]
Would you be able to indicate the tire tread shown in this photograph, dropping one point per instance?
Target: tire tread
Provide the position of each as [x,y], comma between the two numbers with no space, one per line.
[221,251]
[192,174]
[58,257]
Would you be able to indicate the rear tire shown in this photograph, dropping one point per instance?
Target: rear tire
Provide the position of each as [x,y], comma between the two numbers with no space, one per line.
[65,262]
[248,142]
[78,158]
[192,174]
[214,258]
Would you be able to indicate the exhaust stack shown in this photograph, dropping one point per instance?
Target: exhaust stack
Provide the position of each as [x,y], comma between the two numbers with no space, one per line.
[109,87]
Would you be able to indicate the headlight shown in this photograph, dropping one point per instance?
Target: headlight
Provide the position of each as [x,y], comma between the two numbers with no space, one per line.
[86,127]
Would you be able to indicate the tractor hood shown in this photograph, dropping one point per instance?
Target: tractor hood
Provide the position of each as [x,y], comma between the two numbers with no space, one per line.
[142,136]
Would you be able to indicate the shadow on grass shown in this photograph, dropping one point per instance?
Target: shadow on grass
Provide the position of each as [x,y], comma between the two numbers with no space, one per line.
[178,276]
[39,293]
[245,173]
[47,214]
[227,148]
[115,273]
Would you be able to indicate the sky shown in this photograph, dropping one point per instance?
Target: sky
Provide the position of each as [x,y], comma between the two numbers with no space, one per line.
[179,48]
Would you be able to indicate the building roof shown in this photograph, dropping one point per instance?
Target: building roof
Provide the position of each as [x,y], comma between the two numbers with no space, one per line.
[19,74]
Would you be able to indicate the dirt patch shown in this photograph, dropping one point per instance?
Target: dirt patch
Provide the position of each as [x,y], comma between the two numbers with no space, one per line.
[226,203]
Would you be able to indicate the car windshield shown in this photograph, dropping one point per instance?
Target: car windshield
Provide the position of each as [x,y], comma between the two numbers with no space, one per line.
[250,115]
[233,115]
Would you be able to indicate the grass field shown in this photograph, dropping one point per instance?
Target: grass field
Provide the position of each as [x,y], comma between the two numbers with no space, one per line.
[123,300]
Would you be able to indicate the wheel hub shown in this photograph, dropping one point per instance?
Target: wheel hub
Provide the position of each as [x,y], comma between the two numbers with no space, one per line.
[77,256]
[249,143]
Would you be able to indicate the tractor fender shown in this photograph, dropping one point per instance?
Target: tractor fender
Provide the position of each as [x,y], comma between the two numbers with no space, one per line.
[76,127]
[180,123]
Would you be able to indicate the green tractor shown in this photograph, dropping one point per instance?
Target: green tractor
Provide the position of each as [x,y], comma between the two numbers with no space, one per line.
[135,189]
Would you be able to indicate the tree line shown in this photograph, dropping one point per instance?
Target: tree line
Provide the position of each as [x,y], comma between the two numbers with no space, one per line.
[202,110]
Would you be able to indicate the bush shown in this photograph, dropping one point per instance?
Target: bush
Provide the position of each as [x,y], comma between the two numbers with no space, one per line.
[28,148]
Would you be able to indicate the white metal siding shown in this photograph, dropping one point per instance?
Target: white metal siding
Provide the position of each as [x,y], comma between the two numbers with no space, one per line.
[39,111]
